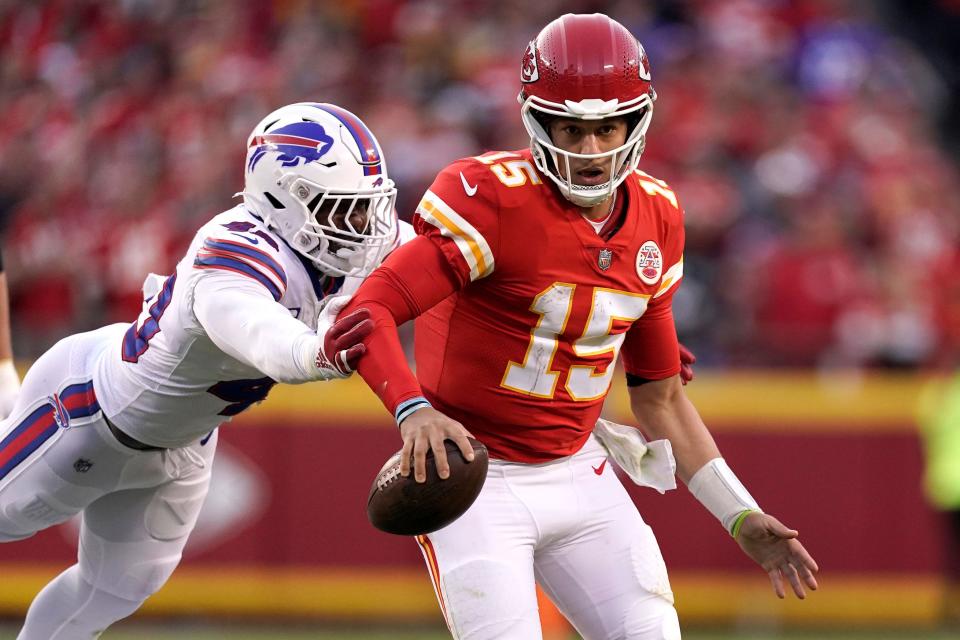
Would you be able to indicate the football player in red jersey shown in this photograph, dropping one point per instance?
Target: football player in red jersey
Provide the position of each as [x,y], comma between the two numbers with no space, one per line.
[531,272]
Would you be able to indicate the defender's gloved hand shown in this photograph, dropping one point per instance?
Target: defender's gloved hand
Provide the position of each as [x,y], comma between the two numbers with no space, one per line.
[340,340]
[687,360]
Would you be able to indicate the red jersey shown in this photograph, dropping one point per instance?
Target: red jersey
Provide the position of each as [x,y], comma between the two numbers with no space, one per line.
[523,354]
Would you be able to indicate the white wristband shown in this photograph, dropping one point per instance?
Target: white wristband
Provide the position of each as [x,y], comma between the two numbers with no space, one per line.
[308,350]
[715,486]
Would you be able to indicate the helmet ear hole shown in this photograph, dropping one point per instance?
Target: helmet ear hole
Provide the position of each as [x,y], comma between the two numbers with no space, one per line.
[544,119]
[312,205]
[633,119]
[273,201]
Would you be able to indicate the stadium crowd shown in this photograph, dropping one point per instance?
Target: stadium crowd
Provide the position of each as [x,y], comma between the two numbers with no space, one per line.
[822,207]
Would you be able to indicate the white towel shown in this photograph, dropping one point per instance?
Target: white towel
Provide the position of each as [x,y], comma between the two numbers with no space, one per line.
[649,464]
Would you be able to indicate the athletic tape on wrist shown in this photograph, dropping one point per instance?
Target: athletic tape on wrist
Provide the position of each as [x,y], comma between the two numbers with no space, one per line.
[719,490]
[408,407]
[739,522]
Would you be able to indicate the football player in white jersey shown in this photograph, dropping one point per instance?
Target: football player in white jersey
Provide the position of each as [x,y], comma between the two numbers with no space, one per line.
[120,423]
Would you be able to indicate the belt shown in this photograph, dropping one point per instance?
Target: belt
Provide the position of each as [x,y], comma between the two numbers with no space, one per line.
[129,441]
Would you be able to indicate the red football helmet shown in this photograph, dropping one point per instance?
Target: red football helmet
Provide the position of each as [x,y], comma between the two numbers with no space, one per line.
[587,67]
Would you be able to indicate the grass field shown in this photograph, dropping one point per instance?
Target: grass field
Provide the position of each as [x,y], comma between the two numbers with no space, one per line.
[138,631]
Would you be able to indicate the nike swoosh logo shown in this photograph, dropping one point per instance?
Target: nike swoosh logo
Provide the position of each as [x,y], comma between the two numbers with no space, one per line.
[248,239]
[471,191]
[599,470]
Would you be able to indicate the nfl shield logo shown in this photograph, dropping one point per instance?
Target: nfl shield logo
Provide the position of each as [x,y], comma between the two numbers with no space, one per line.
[604,259]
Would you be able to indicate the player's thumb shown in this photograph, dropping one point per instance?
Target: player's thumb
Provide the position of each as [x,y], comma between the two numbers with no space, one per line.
[780,530]
[350,358]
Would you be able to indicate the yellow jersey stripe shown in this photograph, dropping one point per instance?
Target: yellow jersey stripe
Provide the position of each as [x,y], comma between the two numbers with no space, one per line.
[671,277]
[471,243]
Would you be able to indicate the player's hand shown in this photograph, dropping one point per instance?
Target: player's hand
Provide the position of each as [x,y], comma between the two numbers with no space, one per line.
[425,430]
[687,360]
[776,548]
[9,387]
[341,339]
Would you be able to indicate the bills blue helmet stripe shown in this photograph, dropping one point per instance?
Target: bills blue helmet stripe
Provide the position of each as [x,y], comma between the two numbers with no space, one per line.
[361,135]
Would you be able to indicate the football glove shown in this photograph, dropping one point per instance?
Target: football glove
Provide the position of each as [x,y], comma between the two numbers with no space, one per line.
[340,339]
[687,360]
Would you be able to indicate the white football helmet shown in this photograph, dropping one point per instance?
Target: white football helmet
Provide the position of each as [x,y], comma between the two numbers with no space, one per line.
[315,173]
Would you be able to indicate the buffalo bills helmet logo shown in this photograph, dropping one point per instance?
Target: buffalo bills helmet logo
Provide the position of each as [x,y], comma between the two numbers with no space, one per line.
[60,414]
[529,71]
[295,144]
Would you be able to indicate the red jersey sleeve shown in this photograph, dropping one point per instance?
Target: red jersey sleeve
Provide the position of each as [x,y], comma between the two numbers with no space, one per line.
[460,214]
[650,349]
[413,279]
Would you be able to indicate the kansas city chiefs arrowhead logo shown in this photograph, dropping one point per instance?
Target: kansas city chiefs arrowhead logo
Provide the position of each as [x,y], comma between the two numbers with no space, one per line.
[529,71]
[644,63]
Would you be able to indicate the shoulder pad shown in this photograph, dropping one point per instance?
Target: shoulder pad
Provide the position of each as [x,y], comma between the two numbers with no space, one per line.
[242,247]
[658,192]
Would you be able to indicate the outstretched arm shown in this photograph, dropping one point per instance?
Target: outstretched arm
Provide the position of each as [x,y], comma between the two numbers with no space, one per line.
[664,411]
[413,279]
[244,321]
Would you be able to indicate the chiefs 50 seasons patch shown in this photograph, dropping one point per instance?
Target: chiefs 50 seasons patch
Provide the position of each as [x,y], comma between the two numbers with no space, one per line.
[649,262]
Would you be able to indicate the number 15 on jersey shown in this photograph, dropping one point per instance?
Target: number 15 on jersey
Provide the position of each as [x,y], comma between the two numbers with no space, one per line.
[535,376]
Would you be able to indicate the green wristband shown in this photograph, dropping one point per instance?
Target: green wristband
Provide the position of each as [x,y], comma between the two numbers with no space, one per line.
[739,522]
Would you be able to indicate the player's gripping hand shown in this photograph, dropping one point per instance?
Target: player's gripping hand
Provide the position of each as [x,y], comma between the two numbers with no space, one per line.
[341,339]
[425,430]
[9,387]
[776,548]
[687,360]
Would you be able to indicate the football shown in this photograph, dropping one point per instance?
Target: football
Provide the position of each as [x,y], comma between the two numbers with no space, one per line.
[405,507]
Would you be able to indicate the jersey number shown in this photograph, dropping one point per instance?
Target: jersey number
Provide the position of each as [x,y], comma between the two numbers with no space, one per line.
[655,187]
[241,393]
[512,173]
[535,375]
[137,338]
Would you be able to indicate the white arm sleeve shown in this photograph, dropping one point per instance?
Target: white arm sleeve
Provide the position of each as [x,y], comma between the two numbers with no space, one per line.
[244,321]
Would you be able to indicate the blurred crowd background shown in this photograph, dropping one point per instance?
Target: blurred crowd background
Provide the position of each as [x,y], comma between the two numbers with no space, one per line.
[813,143]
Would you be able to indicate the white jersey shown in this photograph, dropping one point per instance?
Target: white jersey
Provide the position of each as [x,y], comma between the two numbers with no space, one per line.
[214,336]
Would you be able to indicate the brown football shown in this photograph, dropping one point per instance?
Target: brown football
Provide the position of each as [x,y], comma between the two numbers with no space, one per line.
[405,507]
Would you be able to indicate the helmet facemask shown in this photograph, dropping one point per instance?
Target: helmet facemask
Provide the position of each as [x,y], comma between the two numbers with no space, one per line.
[555,162]
[345,233]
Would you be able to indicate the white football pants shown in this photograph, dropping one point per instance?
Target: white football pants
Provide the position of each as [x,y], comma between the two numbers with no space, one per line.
[58,458]
[568,525]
